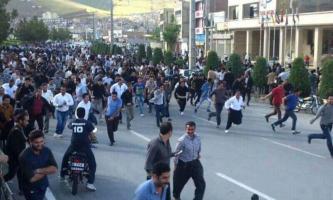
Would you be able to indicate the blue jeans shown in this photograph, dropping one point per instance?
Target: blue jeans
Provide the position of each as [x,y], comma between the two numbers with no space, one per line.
[325,135]
[140,101]
[159,113]
[61,121]
[37,194]
[287,114]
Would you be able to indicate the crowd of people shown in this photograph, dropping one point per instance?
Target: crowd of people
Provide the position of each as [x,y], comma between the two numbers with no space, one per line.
[70,83]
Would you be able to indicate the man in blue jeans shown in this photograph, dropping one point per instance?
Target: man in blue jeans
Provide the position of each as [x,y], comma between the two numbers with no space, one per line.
[139,89]
[158,101]
[326,121]
[291,102]
[62,102]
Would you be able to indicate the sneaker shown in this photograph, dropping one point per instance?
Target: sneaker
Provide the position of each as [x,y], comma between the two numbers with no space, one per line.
[57,135]
[296,132]
[273,127]
[267,119]
[91,187]
[226,131]
[182,113]
[142,115]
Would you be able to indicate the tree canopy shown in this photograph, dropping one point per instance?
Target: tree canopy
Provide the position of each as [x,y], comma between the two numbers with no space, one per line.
[170,34]
[5,19]
[60,34]
[33,30]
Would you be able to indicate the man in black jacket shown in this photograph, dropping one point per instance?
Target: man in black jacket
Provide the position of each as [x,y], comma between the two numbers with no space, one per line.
[37,107]
[24,91]
[127,98]
[16,143]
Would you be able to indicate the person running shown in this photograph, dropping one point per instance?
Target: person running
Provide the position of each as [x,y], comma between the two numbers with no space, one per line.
[248,81]
[127,98]
[220,98]
[181,95]
[139,89]
[277,95]
[234,105]
[62,102]
[325,113]
[187,163]
[112,115]
[291,102]
[158,101]
[206,89]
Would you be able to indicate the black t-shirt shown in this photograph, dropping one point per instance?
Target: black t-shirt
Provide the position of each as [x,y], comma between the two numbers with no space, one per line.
[98,91]
[81,130]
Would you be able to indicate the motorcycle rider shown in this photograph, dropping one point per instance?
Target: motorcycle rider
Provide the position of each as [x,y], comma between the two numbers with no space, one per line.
[80,142]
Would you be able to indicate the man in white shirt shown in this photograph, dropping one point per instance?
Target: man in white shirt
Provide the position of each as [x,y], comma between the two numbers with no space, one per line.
[48,95]
[119,87]
[86,104]
[234,105]
[62,102]
[10,88]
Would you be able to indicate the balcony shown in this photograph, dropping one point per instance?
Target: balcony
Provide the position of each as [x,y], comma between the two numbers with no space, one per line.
[199,30]
[199,14]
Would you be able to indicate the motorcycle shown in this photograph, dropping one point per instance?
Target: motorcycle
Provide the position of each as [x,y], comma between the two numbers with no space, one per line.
[78,169]
[311,104]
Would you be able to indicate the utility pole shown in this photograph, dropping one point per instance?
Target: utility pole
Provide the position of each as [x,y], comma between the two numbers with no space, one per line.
[206,24]
[192,50]
[94,28]
[111,26]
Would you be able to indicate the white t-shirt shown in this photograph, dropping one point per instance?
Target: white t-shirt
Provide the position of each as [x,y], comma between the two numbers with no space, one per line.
[10,90]
[86,107]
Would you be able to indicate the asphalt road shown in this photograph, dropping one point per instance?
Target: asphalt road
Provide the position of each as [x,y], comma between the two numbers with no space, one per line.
[249,159]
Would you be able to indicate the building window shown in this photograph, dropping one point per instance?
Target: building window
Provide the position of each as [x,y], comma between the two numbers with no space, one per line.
[233,12]
[250,10]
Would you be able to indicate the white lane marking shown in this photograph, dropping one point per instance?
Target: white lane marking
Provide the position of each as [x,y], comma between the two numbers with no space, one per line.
[49,195]
[294,148]
[140,136]
[242,185]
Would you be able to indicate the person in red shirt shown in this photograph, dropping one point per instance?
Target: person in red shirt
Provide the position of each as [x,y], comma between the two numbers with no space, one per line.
[277,95]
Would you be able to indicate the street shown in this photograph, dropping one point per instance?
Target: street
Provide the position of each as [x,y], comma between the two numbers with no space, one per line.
[249,159]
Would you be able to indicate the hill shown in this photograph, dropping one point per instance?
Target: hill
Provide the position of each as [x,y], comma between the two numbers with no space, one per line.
[122,8]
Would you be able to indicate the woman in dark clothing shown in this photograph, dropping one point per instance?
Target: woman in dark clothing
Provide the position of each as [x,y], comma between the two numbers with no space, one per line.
[180,95]
[248,87]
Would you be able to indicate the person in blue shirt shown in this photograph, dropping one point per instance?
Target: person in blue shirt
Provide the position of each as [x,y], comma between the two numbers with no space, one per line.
[139,89]
[206,89]
[291,102]
[112,115]
[36,163]
[80,142]
[155,188]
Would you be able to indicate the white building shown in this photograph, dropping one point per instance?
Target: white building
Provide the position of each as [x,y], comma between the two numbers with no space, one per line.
[255,28]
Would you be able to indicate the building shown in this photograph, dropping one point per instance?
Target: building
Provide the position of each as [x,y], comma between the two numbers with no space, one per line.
[166,17]
[269,28]
[182,19]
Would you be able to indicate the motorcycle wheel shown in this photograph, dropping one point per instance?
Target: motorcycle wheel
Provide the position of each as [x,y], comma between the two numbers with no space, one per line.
[75,184]
[314,110]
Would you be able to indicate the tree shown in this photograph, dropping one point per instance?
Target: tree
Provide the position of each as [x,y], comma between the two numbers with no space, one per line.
[149,53]
[158,56]
[156,35]
[180,62]
[5,20]
[260,72]
[141,53]
[33,30]
[99,47]
[235,64]
[299,77]
[170,34]
[212,62]
[326,83]
[168,58]
[60,34]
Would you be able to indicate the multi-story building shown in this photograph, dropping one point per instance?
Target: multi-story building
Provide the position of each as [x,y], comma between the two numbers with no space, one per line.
[182,19]
[270,29]
[166,17]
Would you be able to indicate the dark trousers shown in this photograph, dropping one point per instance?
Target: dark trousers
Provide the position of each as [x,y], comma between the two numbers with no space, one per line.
[36,194]
[325,135]
[39,119]
[182,104]
[13,168]
[166,110]
[234,116]
[277,110]
[217,113]
[287,114]
[247,94]
[183,172]
[198,97]
[90,158]
[112,126]
[159,114]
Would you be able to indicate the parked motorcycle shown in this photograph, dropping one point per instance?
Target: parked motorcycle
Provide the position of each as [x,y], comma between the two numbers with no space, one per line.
[311,104]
